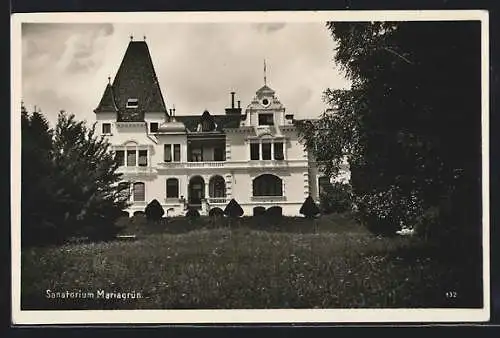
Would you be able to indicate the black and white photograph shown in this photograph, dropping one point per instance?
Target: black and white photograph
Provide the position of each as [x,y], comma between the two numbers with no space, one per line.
[250,167]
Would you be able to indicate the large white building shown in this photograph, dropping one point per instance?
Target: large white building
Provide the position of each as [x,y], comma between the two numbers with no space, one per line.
[203,160]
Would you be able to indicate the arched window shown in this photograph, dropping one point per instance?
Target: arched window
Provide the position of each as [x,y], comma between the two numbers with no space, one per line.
[172,188]
[267,185]
[139,192]
[217,187]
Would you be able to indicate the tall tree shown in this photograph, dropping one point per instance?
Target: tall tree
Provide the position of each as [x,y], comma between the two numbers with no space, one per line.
[36,140]
[87,190]
[410,125]
[69,182]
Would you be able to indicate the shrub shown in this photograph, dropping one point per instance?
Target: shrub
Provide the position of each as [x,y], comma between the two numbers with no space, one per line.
[259,211]
[337,198]
[139,213]
[384,212]
[192,213]
[154,211]
[274,212]
[233,209]
[309,208]
[216,212]
[124,214]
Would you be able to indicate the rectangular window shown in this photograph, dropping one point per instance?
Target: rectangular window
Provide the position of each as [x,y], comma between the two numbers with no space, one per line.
[254,151]
[120,157]
[139,192]
[218,153]
[266,120]
[132,103]
[106,128]
[266,151]
[167,153]
[153,127]
[131,158]
[172,188]
[177,152]
[197,155]
[278,151]
[143,158]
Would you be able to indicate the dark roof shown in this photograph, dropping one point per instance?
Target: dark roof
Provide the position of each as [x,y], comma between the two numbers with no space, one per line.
[222,121]
[136,79]
[107,104]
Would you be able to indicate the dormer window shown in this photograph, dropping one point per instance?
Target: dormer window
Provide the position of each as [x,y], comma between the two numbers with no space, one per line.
[132,103]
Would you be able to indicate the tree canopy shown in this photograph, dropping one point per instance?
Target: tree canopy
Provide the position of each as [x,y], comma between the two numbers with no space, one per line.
[410,125]
[69,181]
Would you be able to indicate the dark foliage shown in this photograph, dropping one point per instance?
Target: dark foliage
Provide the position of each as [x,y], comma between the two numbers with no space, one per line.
[309,208]
[409,127]
[274,212]
[259,211]
[216,212]
[233,209]
[154,211]
[69,183]
[192,213]
[139,213]
[336,197]
[124,214]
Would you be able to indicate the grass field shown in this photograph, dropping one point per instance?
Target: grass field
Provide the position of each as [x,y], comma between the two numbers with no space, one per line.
[251,266]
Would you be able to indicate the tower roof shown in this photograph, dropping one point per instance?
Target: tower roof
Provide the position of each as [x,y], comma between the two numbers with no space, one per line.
[136,79]
[107,104]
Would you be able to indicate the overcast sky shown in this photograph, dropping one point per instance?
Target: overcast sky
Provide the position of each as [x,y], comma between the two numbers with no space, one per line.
[66,66]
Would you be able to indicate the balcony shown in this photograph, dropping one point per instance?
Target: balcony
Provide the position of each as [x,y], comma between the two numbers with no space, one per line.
[136,170]
[268,163]
[217,200]
[270,199]
[264,129]
[206,164]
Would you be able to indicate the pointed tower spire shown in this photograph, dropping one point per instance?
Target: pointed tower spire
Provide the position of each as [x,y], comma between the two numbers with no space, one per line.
[265,73]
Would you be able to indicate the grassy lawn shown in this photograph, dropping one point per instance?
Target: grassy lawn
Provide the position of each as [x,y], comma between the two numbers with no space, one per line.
[251,266]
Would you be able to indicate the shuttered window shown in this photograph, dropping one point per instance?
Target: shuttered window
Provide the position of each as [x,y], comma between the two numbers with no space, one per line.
[139,192]
[177,152]
[168,153]
[143,158]
[131,158]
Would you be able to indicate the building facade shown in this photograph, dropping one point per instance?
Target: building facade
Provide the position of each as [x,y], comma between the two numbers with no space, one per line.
[202,160]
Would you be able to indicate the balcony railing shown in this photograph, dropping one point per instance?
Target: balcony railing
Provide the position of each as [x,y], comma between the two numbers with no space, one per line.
[207,164]
[135,170]
[234,164]
[268,163]
[268,198]
[217,200]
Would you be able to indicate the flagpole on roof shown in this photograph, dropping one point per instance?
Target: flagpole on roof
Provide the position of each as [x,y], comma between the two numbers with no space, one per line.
[265,75]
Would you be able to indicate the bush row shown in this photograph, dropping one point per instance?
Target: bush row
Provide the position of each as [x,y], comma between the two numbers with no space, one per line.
[154,211]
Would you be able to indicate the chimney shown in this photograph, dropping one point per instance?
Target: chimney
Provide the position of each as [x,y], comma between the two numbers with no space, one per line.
[239,104]
[232,100]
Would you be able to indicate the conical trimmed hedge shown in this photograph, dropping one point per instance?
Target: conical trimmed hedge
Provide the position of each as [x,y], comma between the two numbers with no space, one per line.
[233,209]
[309,208]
